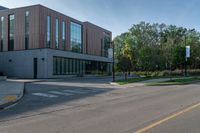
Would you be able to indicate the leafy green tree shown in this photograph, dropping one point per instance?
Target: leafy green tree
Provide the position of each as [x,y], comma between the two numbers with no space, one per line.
[153,47]
[124,64]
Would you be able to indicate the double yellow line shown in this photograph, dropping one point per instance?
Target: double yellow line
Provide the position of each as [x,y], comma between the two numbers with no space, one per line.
[168,118]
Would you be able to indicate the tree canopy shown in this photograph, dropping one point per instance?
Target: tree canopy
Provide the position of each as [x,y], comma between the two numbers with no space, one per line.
[151,47]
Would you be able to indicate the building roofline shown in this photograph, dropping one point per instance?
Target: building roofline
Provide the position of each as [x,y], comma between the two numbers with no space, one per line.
[3,8]
[61,14]
[21,7]
[76,20]
[87,22]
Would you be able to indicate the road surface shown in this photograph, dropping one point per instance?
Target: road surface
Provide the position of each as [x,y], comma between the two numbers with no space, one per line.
[95,106]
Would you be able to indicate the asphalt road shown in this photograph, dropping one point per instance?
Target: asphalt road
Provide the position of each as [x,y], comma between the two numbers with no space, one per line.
[95,106]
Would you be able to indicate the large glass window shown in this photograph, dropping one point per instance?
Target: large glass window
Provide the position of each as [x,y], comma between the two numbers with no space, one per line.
[11,32]
[2,33]
[58,65]
[76,37]
[63,34]
[27,20]
[106,44]
[65,66]
[48,32]
[57,33]
[68,66]
[54,65]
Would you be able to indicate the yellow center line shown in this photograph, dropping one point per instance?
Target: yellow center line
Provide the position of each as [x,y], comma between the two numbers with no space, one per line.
[168,118]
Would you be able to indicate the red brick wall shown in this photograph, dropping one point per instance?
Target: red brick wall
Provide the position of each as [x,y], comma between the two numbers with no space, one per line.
[92,34]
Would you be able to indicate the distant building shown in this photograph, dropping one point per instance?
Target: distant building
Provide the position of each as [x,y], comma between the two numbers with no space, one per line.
[37,42]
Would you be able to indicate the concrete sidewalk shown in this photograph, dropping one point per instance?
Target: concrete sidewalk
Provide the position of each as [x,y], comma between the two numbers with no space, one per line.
[10,93]
[143,83]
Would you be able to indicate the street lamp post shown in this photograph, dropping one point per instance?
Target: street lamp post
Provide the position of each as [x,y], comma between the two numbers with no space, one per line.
[113,62]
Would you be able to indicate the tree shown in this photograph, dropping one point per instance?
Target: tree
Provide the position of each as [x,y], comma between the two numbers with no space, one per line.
[124,64]
[152,47]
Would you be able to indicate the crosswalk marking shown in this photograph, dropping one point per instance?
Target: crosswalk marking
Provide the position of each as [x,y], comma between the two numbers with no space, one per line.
[44,95]
[75,91]
[54,94]
[60,93]
[87,90]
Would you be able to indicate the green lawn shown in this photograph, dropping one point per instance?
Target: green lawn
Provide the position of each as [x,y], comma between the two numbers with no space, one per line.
[133,80]
[177,81]
[174,81]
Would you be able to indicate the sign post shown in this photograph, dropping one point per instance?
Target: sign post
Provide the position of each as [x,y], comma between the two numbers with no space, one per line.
[187,55]
[187,52]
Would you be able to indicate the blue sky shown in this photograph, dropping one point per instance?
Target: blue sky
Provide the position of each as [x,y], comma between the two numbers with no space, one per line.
[119,15]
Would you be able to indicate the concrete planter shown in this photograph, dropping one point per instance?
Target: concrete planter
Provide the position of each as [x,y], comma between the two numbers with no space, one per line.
[3,78]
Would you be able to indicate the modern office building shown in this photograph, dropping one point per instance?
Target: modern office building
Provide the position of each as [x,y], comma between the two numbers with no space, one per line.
[37,42]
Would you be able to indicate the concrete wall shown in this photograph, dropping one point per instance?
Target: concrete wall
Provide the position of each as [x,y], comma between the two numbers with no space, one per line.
[20,63]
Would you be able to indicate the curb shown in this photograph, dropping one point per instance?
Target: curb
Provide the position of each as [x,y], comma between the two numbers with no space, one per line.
[7,104]
[113,83]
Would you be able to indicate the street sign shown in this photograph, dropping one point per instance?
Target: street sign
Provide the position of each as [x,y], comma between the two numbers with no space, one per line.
[187,51]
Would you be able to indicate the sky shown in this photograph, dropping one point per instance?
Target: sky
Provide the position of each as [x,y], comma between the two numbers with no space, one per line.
[119,15]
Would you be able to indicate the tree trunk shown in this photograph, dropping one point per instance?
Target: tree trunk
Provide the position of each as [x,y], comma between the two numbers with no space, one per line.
[125,75]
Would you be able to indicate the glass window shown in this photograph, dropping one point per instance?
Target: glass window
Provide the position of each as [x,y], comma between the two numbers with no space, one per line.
[27,20]
[2,33]
[75,66]
[57,33]
[78,66]
[48,31]
[81,66]
[76,37]
[63,34]
[61,66]
[106,44]
[70,66]
[54,65]
[65,65]
[11,32]
[58,66]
